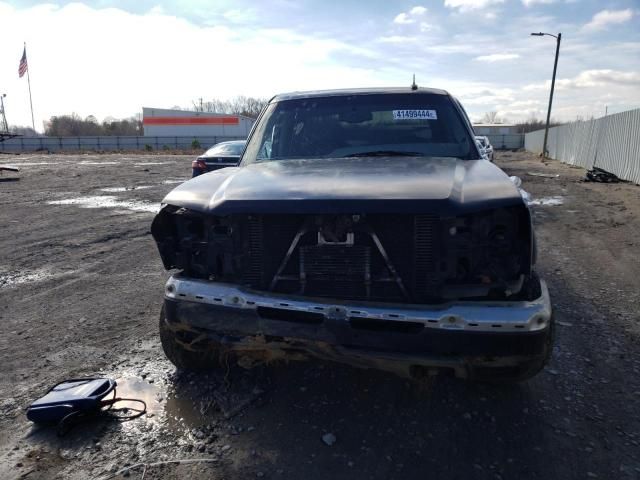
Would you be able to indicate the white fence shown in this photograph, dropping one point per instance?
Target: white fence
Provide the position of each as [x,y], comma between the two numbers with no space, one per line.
[611,143]
[108,143]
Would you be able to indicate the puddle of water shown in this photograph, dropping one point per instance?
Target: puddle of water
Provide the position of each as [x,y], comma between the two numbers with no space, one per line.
[125,189]
[142,164]
[547,201]
[174,180]
[141,390]
[108,201]
[86,162]
[180,402]
[184,412]
[177,412]
[14,278]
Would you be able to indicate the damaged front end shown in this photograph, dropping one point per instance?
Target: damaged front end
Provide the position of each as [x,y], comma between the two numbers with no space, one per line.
[410,340]
[411,294]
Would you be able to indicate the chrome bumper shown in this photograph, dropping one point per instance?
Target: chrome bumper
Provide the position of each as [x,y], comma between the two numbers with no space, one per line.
[485,316]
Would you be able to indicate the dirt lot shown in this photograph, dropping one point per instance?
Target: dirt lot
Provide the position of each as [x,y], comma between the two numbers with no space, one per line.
[80,293]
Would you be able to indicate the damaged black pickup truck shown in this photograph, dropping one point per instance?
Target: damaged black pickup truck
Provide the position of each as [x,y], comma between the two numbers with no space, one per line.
[361,226]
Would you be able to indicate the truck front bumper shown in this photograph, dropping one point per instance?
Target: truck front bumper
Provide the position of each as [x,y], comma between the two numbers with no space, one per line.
[458,336]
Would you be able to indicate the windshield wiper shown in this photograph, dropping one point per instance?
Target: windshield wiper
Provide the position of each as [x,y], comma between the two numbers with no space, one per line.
[385,153]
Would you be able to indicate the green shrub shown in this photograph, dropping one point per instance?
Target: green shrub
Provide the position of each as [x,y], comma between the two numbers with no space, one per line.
[148,147]
[195,144]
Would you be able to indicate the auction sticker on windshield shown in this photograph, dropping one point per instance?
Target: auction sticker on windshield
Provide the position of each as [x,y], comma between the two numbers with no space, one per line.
[415,115]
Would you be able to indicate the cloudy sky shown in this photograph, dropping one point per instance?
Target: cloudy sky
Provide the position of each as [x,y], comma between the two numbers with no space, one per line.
[110,58]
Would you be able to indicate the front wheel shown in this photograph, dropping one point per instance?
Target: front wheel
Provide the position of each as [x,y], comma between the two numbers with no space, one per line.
[182,351]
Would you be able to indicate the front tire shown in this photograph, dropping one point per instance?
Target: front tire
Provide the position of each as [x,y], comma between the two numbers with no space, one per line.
[182,352]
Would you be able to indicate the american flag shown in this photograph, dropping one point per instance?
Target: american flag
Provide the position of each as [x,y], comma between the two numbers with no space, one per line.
[23,67]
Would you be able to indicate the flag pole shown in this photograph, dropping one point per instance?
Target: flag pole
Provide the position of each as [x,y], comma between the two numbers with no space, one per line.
[33,123]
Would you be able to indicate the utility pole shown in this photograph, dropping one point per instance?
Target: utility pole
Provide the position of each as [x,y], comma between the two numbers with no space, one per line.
[4,126]
[553,83]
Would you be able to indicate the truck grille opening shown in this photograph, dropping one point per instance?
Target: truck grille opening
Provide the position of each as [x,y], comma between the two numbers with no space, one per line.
[391,326]
[253,273]
[336,270]
[393,258]
[379,261]
[286,315]
[425,244]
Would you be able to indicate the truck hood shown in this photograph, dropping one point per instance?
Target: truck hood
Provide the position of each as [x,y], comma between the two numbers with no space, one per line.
[350,185]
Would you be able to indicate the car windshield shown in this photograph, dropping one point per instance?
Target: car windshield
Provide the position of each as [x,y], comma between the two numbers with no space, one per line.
[407,124]
[231,148]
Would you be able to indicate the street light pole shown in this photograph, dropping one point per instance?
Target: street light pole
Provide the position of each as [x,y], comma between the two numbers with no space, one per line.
[553,84]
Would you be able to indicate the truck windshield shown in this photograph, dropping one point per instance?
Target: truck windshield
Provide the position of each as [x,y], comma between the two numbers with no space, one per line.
[411,124]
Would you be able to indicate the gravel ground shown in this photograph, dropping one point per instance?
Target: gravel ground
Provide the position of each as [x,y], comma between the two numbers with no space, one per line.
[80,291]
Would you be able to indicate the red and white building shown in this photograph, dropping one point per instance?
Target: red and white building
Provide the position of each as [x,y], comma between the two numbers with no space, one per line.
[160,122]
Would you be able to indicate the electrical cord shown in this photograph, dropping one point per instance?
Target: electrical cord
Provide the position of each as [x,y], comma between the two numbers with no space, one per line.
[74,418]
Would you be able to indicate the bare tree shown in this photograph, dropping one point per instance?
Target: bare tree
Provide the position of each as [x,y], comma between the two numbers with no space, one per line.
[249,106]
[532,124]
[240,105]
[197,105]
[72,126]
[69,126]
[25,131]
[128,126]
[491,117]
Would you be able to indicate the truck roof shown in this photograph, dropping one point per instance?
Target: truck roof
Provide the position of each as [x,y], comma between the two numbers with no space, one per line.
[357,91]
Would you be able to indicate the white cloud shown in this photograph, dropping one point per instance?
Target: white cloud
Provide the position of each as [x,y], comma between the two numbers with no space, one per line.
[519,114]
[412,16]
[157,10]
[595,78]
[485,95]
[403,18]
[603,19]
[78,64]
[466,5]
[521,109]
[524,103]
[239,16]
[419,10]
[591,79]
[528,3]
[497,57]
[398,39]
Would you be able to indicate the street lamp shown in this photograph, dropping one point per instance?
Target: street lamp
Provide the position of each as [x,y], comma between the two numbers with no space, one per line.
[553,83]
